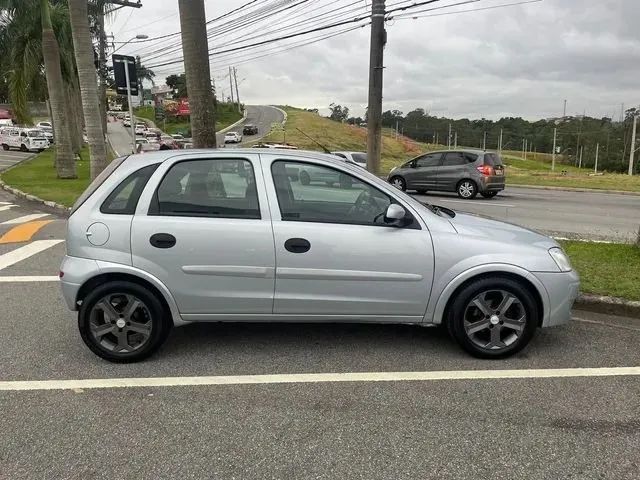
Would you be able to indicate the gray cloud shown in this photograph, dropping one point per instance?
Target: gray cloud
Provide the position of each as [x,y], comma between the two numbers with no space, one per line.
[515,61]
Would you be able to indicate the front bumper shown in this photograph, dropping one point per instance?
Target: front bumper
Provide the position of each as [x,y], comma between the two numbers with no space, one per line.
[562,290]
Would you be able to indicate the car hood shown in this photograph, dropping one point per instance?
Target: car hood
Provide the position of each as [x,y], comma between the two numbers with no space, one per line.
[480,226]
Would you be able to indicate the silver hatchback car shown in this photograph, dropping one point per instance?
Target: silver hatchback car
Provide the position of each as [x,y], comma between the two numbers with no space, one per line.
[169,238]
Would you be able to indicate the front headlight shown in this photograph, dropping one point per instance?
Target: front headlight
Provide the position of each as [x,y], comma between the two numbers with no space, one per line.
[561,259]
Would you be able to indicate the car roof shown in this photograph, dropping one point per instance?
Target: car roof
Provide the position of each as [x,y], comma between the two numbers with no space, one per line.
[476,151]
[163,155]
[348,151]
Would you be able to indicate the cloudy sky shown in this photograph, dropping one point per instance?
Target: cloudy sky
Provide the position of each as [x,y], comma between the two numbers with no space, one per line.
[520,60]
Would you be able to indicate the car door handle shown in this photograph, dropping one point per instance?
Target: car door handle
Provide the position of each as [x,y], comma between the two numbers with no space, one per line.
[162,240]
[297,245]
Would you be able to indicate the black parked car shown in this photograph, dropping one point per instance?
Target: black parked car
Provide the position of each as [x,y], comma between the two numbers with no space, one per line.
[250,130]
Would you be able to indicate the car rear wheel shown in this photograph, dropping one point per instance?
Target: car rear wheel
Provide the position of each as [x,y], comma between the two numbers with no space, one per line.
[493,317]
[489,194]
[399,183]
[23,148]
[467,189]
[5,146]
[305,179]
[123,322]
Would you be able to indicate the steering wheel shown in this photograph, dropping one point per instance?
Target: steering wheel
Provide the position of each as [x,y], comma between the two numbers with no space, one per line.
[364,205]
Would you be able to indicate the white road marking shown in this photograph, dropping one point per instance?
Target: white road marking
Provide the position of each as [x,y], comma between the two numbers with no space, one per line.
[25,218]
[7,207]
[471,202]
[26,251]
[606,324]
[317,378]
[30,278]
[6,203]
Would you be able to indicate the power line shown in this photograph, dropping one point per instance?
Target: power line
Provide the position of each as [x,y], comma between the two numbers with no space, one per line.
[407,16]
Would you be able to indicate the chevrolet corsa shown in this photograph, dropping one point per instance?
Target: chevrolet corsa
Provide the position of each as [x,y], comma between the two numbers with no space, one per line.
[166,239]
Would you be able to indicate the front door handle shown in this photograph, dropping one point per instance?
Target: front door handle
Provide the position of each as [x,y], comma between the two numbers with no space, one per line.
[162,240]
[297,245]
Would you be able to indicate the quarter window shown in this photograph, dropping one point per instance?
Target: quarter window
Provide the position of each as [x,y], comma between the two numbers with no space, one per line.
[221,188]
[316,193]
[454,158]
[124,199]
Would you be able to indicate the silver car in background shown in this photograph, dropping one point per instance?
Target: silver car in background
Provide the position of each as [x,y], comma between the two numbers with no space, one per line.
[174,237]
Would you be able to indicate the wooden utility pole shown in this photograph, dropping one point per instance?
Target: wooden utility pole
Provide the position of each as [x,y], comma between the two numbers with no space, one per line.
[376,64]
[231,85]
[235,79]
[553,153]
[595,168]
[633,143]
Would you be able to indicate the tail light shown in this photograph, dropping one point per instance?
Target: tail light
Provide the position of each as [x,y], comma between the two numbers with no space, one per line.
[486,170]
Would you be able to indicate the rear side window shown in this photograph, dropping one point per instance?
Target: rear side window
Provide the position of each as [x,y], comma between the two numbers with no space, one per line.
[222,188]
[124,198]
[99,180]
[492,159]
[454,158]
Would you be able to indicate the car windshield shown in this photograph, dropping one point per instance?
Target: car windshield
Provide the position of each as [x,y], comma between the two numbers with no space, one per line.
[359,157]
[35,133]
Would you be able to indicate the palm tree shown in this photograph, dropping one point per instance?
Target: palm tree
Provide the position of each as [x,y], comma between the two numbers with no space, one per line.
[87,76]
[196,65]
[28,43]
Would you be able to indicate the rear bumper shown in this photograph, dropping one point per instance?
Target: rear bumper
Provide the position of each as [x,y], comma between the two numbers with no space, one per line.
[76,272]
[562,291]
[492,184]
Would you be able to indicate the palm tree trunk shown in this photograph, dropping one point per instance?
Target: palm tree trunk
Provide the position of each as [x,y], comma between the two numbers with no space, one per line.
[196,64]
[73,113]
[102,72]
[87,75]
[65,162]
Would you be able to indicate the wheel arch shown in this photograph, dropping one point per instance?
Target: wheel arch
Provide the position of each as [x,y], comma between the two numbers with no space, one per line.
[513,272]
[161,293]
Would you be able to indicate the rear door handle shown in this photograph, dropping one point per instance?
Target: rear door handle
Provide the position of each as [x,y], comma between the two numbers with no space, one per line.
[162,240]
[297,245]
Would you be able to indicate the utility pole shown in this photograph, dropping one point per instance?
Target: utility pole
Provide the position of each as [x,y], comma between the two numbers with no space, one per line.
[633,143]
[580,161]
[449,138]
[553,153]
[595,168]
[235,79]
[455,139]
[376,65]
[564,110]
[500,143]
[484,142]
[231,85]
[524,149]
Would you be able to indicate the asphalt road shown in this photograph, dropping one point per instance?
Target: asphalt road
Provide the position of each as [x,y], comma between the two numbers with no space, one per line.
[578,427]
[9,158]
[587,215]
[262,116]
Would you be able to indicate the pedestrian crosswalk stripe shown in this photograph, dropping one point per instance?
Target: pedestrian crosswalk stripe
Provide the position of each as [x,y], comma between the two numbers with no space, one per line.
[24,232]
[25,218]
[26,251]
[4,208]
[29,278]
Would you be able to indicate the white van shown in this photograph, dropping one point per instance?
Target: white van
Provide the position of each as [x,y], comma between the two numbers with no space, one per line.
[24,139]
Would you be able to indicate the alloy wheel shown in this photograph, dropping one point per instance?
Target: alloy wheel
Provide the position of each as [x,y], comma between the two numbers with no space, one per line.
[120,323]
[494,319]
[466,189]
[398,183]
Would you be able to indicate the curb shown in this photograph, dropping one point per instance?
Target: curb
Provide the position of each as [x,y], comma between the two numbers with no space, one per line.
[49,205]
[573,189]
[608,305]
[284,114]
[233,125]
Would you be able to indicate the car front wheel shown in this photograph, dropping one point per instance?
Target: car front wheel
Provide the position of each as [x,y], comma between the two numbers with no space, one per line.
[467,189]
[123,322]
[399,183]
[493,317]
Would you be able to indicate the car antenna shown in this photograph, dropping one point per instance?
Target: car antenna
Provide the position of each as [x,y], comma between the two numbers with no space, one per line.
[325,149]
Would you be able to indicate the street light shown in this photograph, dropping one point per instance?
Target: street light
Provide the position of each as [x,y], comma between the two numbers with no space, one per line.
[140,36]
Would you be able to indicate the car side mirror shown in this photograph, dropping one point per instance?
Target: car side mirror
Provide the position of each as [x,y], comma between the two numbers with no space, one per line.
[395,215]
[413,164]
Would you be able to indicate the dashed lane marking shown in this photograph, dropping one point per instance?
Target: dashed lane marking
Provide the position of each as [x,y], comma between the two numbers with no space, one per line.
[24,232]
[22,253]
[4,208]
[25,218]
[317,378]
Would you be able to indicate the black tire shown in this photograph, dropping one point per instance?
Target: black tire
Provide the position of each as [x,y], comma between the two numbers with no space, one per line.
[23,148]
[467,189]
[458,308]
[399,183]
[5,146]
[305,179]
[159,318]
[489,194]
[421,191]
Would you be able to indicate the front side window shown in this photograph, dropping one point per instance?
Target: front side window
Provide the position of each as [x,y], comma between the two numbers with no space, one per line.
[316,193]
[224,188]
[429,160]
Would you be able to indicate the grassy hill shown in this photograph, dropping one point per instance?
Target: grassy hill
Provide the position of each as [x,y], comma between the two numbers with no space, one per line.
[535,170]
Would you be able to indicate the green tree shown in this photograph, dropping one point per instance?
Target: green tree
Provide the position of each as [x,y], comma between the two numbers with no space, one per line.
[338,112]
[179,85]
